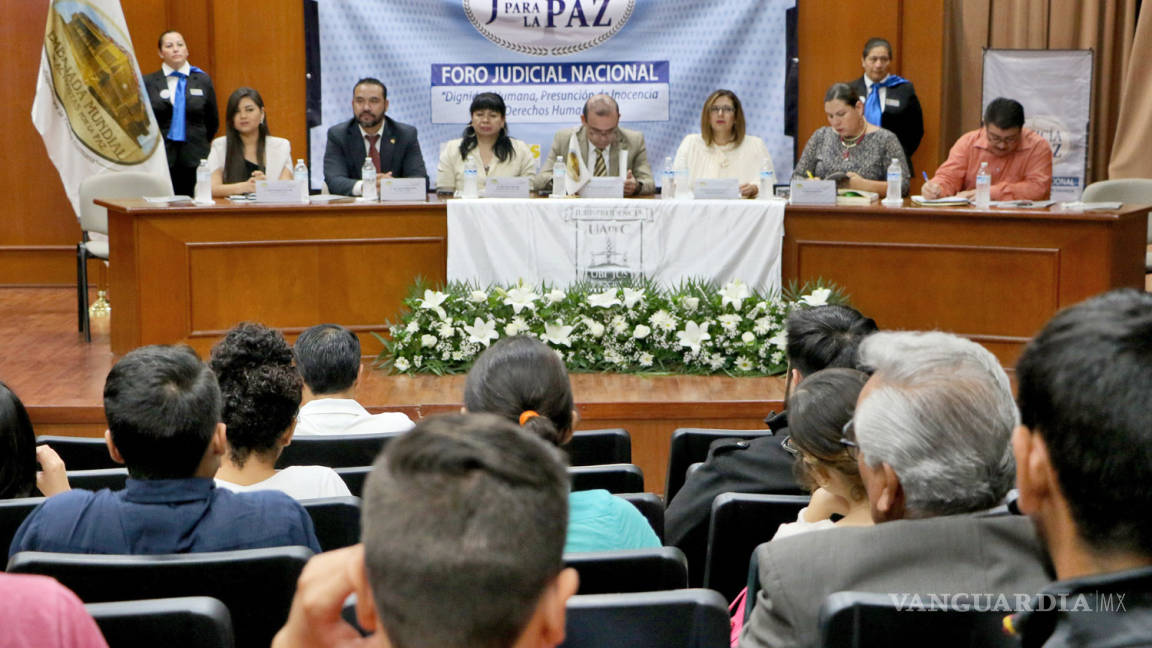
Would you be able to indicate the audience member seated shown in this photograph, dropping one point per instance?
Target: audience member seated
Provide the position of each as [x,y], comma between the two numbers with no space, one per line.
[818,338]
[328,357]
[1083,465]
[261,392]
[522,380]
[19,454]
[931,429]
[850,150]
[463,534]
[38,612]
[890,101]
[163,409]
[247,152]
[722,149]
[599,140]
[1019,159]
[486,138]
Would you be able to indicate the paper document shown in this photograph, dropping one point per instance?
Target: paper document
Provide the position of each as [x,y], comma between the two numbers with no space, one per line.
[949,200]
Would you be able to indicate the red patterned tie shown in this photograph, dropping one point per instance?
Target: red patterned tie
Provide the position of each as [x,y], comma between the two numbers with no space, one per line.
[373,151]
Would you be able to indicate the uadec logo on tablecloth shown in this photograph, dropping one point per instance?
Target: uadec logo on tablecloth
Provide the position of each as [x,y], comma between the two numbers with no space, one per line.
[548,27]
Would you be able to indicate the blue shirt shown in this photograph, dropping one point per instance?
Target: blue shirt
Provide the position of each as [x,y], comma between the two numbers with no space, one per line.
[600,521]
[160,516]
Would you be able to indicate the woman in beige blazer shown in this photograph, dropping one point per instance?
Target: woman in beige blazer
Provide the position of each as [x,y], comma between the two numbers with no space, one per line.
[486,138]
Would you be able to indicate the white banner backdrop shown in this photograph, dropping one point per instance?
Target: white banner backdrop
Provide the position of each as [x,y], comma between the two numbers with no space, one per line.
[500,241]
[1055,87]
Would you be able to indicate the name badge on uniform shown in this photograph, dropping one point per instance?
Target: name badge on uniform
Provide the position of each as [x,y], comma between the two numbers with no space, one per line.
[164,94]
[889,101]
[196,92]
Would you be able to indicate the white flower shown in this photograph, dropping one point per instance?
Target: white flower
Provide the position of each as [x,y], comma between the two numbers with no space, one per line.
[762,326]
[717,361]
[631,297]
[613,356]
[594,327]
[557,334]
[401,364]
[729,321]
[604,299]
[734,292]
[777,358]
[817,297]
[555,295]
[418,360]
[432,301]
[619,324]
[693,335]
[662,320]
[412,327]
[515,327]
[748,337]
[691,303]
[519,298]
[559,354]
[428,340]
[457,355]
[780,340]
[743,364]
[641,332]
[645,359]
[481,332]
[478,296]
[446,330]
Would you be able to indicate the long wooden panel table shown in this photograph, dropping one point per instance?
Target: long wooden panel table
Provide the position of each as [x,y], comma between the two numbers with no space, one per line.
[188,273]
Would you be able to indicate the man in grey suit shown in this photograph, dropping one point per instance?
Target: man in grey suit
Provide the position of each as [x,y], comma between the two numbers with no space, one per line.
[600,135]
[931,432]
[392,146]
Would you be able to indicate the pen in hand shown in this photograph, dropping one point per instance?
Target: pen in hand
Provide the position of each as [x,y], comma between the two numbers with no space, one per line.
[925,174]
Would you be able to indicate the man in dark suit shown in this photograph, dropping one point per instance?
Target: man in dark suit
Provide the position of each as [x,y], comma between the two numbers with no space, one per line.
[392,146]
[895,104]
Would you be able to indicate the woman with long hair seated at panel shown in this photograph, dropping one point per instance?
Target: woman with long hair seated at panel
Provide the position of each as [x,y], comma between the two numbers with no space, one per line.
[486,137]
[19,454]
[722,149]
[524,381]
[850,150]
[247,152]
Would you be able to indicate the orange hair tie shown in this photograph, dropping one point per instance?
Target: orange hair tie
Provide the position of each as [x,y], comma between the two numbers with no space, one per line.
[527,415]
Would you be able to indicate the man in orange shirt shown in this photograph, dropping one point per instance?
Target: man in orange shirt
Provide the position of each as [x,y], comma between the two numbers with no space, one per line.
[1019,160]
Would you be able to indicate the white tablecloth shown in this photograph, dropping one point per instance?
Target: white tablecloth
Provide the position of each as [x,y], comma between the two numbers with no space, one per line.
[561,241]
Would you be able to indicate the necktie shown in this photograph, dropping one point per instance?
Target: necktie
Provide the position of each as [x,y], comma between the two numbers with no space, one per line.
[600,170]
[373,151]
[872,107]
[176,129]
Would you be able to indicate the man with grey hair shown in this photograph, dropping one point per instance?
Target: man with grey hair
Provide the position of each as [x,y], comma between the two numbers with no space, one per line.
[600,140]
[931,432]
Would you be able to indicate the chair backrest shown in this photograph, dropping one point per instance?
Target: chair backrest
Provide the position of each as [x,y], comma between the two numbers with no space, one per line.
[690,445]
[651,507]
[614,478]
[630,570]
[255,584]
[1125,190]
[688,618]
[354,477]
[182,622]
[334,450]
[740,522]
[593,447]
[94,480]
[12,514]
[123,184]
[80,453]
[337,520]
[850,619]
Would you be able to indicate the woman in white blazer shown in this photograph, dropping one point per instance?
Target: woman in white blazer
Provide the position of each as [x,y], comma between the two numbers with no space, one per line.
[722,149]
[486,137]
[247,152]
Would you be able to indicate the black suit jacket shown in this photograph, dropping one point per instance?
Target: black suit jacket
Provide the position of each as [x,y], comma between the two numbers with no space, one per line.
[344,155]
[201,117]
[902,115]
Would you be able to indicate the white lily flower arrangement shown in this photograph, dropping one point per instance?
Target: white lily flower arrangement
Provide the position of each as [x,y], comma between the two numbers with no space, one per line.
[694,328]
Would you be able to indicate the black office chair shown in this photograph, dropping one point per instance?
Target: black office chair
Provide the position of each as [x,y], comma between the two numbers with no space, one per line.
[336,519]
[614,478]
[651,507]
[12,514]
[80,453]
[255,584]
[594,447]
[94,480]
[740,522]
[184,622]
[629,570]
[850,619]
[354,477]
[334,450]
[690,445]
[688,618]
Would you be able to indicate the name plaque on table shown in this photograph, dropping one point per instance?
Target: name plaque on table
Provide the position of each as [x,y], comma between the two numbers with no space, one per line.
[603,188]
[403,190]
[716,189]
[278,191]
[507,187]
[813,192]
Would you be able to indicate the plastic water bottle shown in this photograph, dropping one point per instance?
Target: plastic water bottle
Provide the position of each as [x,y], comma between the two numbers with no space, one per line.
[368,177]
[470,186]
[683,183]
[895,184]
[767,180]
[203,191]
[983,187]
[300,175]
[668,191]
[559,178]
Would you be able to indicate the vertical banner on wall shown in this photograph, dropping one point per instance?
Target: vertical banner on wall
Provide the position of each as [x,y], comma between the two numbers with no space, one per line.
[660,59]
[91,107]
[1055,87]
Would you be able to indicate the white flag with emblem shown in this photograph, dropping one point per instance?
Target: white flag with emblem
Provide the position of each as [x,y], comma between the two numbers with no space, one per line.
[578,173]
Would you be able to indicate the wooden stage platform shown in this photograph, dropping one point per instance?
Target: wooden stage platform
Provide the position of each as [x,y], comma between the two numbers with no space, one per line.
[60,378]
